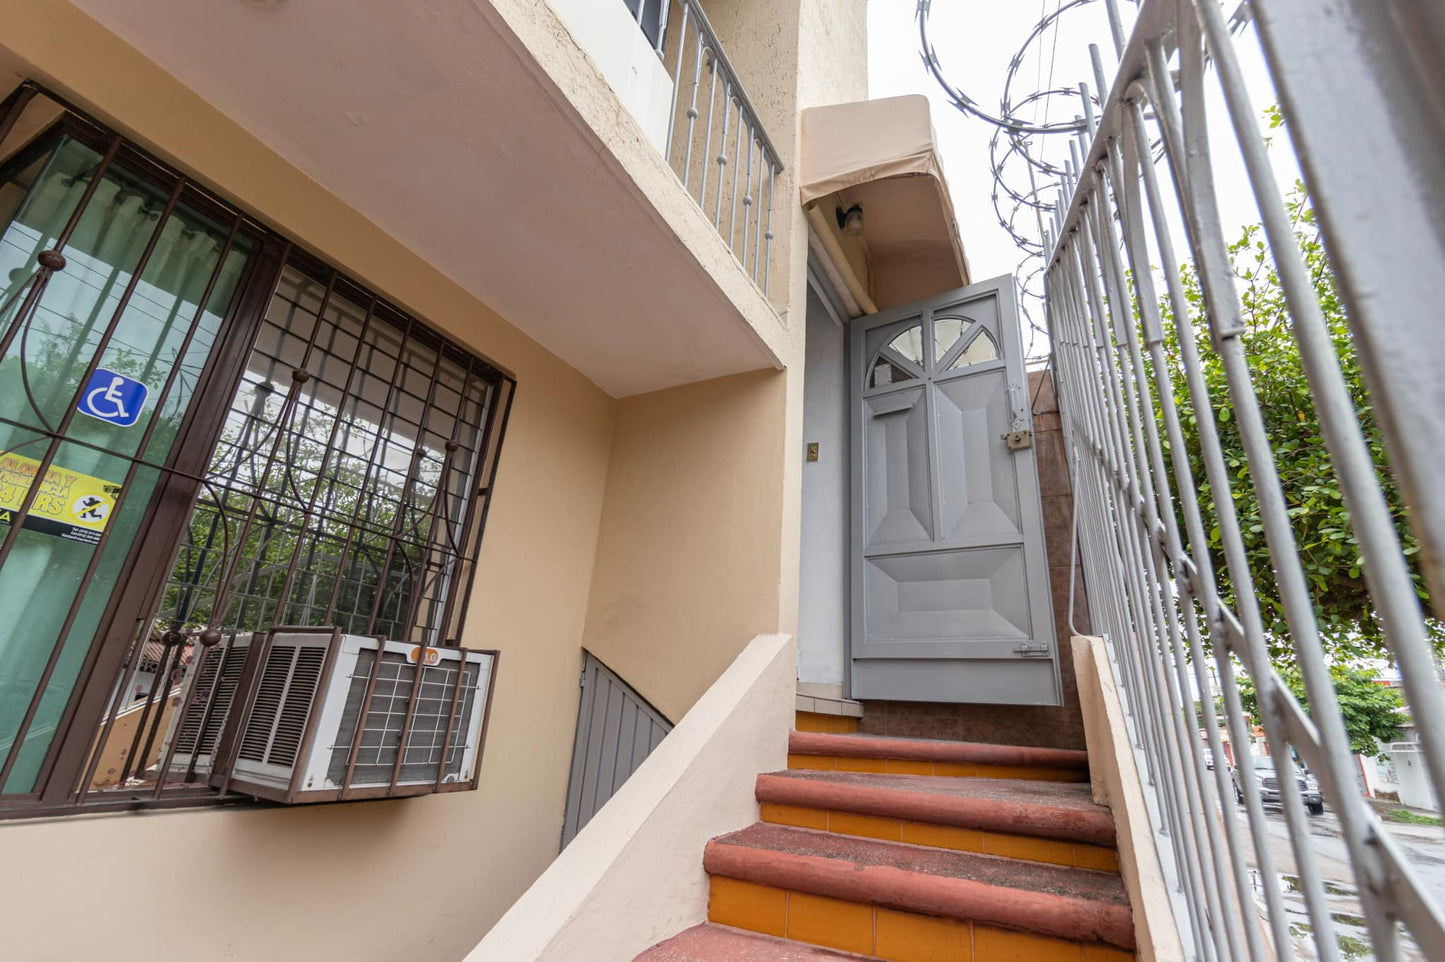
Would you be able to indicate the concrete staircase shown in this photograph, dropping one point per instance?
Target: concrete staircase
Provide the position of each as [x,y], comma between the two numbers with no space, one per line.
[915,851]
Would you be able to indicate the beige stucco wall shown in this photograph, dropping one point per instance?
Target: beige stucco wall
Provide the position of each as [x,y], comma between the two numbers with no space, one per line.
[833,52]
[633,876]
[699,543]
[410,880]
[793,54]
[688,552]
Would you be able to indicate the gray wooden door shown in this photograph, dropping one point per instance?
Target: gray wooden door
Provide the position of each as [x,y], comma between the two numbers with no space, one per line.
[949,576]
[616,730]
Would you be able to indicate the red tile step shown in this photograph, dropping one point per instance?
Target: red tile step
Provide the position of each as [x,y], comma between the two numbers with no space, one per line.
[717,943]
[1078,905]
[1064,811]
[950,757]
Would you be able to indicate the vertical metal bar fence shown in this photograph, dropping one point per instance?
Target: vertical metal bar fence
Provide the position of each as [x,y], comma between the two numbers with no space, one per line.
[1154,591]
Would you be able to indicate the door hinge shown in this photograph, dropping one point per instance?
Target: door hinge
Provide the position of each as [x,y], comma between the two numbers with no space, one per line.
[1018,440]
[1032,651]
[582,680]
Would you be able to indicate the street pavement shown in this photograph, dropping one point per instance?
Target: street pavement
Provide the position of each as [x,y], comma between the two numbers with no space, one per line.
[1424,848]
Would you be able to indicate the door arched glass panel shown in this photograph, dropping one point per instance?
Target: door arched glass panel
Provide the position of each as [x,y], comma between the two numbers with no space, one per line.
[900,360]
[909,344]
[981,349]
[947,333]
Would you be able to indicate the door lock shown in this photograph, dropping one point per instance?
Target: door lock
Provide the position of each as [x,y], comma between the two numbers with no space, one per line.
[1018,440]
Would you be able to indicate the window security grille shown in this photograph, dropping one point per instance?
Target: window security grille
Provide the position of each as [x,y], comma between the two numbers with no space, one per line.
[299,452]
[381,735]
[340,489]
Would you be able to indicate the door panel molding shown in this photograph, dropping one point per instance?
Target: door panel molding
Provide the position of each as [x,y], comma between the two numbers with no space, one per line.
[950,592]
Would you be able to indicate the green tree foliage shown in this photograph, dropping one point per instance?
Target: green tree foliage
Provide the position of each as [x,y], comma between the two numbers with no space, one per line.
[1325,540]
[1371,711]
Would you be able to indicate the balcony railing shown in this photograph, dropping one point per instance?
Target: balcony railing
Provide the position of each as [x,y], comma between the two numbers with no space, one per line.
[715,142]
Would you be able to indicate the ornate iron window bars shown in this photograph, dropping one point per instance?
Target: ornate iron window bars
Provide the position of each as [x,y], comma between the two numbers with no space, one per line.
[333,466]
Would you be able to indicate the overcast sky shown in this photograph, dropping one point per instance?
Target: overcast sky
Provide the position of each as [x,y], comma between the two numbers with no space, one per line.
[975,42]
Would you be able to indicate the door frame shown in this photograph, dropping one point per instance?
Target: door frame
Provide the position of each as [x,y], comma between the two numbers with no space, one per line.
[1031,526]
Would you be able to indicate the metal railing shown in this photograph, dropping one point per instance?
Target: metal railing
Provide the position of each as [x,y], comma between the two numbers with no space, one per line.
[715,143]
[1153,590]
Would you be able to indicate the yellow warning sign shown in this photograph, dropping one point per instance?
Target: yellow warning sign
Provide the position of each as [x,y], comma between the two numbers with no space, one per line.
[68,505]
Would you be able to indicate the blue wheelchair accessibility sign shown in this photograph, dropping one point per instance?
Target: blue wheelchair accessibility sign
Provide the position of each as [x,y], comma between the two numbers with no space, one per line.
[113,398]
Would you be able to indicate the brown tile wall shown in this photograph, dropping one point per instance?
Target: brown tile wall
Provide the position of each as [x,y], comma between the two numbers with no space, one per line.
[1060,727]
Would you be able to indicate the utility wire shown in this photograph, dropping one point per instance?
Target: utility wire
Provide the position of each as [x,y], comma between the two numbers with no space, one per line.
[1039,72]
[1053,58]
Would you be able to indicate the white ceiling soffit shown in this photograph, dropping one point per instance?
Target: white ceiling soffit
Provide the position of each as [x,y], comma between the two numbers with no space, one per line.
[425,119]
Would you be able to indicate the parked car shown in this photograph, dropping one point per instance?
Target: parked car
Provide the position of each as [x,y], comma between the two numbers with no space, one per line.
[1261,769]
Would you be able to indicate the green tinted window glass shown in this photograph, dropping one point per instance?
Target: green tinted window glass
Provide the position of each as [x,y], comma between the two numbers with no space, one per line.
[95,489]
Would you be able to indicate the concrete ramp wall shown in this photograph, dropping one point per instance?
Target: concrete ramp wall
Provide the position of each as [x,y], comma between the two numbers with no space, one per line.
[633,876]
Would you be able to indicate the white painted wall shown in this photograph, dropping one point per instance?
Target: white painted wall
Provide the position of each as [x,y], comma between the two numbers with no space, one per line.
[1369,774]
[823,575]
[633,876]
[1413,783]
[609,35]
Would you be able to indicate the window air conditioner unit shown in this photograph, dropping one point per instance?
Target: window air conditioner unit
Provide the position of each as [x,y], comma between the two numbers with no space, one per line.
[327,712]
[210,689]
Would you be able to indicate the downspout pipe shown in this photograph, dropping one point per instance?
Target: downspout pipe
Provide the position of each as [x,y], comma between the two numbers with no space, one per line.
[836,262]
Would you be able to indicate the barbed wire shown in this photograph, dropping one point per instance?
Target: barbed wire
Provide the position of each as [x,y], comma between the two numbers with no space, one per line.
[1016,143]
